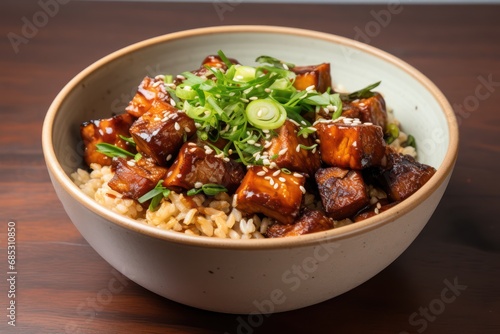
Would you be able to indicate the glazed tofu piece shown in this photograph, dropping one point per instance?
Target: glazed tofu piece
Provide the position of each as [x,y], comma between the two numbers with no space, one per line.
[212,61]
[370,110]
[271,192]
[286,147]
[403,175]
[318,76]
[309,221]
[343,192]
[347,143]
[374,210]
[135,178]
[161,131]
[149,90]
[197,165]
[105,131]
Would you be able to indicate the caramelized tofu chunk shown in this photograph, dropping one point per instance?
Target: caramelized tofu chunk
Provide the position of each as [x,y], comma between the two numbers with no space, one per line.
[343,192]
[315,75]
[105,131]
[309,221]
[197,165]
[271,192]
[212,61]
[161,131]
[135,178]
[373,210]
[149,90]
[370,110]
[350,144]
[285,145]
[403,175]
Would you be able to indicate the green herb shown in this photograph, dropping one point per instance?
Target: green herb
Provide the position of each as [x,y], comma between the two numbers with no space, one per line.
[129,140]
[286,170]
[392,131]
[308,148]
[155,195]
[208,189]
[113,151]
[266,114]
[364,93]
[274,62]
[410,141]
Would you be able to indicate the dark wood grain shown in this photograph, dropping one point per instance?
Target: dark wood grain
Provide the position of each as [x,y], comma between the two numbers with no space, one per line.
[62,282]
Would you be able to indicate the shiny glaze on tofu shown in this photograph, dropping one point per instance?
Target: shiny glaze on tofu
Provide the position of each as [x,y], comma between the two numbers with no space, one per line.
[309,221]
[314,75]
[212,61]
[271,192]
[403,175]
[148,91]
[343,192]
[135,178]
[350,145]
[370,110]
[161,131]
[105,131]
[284,146]
[200,165]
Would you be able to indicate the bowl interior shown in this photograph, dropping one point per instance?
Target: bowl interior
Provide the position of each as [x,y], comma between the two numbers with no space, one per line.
[105,87]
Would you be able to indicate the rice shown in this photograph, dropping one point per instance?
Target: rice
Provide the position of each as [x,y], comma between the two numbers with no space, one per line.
[194,215]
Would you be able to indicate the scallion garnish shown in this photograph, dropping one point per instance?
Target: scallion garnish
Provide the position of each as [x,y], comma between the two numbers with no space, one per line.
[364,93]
[208,189]
[155,195]
[410,141]
[113,151]
[265,114]
[129,140]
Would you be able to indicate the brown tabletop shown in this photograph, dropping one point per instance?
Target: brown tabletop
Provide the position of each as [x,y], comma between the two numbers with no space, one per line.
[447,281]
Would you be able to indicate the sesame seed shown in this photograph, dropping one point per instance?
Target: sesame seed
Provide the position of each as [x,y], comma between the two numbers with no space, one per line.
[354,143]
[271,181]
[297,149]
[273,165]
[376,211]
[276,173]
[172,102]
[244,100]
[191,144]
[267,90]
[265,169]
[267,144]
[297,175]
[276,186]
[283,151]
[253,98]
[282,179]
[187,129]
[251,142]
[259,113]
[310,88]
[169,157]
[179,176]
[198,185]
[285,66]
[302,189]
[177,126]
[261,173]
[181,77]
[156,84]
[131,163]
[169,173]
[368,123]
[266,162]
[226,159]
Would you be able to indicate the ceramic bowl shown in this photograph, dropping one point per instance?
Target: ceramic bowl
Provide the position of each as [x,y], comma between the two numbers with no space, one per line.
[263,275]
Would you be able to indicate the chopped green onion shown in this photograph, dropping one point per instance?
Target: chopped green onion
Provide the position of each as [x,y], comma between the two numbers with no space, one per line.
[155,195]
[168,79]
[309,148]
[364,93]
[129,140]
[185,92]
[208,189]
[286,170]
[113,151]
[337,104]
[275,62]
[410,141]
[392,130]
[244,73]
[265,114]
[137,157]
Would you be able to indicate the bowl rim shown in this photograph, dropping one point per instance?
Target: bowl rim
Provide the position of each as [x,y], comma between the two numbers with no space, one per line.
[338,234]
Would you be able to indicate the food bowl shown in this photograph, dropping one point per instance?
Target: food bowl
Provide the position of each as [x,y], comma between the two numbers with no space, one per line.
[261,275]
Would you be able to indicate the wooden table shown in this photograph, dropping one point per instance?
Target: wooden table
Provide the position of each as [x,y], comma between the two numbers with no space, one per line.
[63,286]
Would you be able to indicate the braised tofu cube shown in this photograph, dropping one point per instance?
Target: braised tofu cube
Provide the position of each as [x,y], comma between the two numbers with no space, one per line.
[271,192]
[135,178]
[161,131]
[343,192]
[149,90]
[370,110]
[318,76]
[374,210]
[403,175]
[309,221]
[195,166]
[350,144]
[288,152]
[105,131]
[214,62]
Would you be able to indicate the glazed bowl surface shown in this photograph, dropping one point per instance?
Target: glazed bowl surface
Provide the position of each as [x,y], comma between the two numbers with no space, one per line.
[262,275]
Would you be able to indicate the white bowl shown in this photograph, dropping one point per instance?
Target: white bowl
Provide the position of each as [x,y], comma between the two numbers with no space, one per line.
[250,276]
